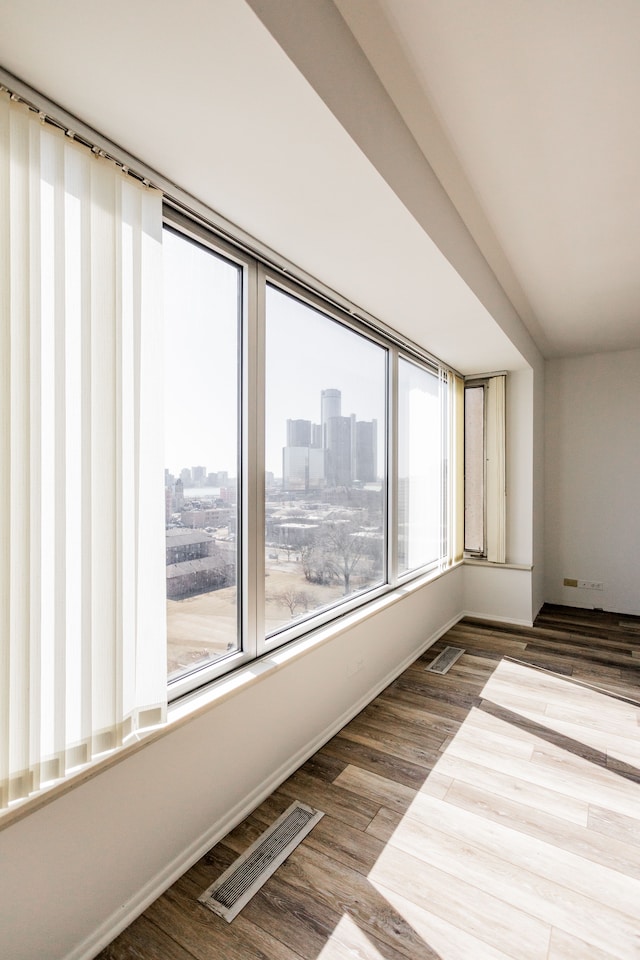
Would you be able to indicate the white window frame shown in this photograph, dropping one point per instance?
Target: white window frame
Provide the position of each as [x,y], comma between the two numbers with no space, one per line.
[256,275]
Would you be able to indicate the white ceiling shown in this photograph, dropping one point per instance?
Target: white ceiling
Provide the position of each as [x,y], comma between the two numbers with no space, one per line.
[524,110]
[528,112]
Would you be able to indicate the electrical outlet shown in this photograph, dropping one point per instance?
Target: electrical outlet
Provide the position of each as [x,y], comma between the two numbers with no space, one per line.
[591,584]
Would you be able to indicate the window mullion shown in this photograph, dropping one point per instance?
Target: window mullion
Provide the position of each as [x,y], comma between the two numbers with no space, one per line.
[392,468]
[253,463]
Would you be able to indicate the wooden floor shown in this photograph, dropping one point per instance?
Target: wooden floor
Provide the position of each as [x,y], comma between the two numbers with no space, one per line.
[493,812]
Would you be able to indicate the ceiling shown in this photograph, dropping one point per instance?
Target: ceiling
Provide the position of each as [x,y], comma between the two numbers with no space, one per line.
[528,112]
[525,111]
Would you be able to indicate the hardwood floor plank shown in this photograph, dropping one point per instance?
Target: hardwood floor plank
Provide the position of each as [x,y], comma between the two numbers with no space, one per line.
[376,761]
[143,940]
[208,936]
[583,780]
[385,821]
[448,940]
[502,780]
[285,913]
[564,946]
[535,875]
[378,790]
[504,886]
[614,853]
[355,811]
[391,707]
[346,892]
[392,744]
[462,904]
[609,823]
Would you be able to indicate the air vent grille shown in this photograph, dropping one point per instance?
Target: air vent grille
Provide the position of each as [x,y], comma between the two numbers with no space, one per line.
[233,890]
[445,660]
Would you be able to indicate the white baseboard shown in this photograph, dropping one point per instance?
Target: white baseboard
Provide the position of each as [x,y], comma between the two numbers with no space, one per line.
[495,619]
[120,919]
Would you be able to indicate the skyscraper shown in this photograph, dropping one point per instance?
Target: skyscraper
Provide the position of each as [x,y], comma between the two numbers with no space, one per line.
[338,444]
[366,450]
[298,433]
[330,407]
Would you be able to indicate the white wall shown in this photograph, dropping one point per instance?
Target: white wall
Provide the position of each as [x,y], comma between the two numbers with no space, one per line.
[498,593]
[593,480]
[76,871]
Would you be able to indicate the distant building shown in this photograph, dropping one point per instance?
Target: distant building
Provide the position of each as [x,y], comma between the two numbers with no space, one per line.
[330,407]
[298,433]
[366,451]
[295,468]
[338,446]
[178,496]
[196,564]
[337,452]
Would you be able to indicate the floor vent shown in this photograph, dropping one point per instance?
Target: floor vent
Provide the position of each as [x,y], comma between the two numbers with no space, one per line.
[445,660]
[233,890]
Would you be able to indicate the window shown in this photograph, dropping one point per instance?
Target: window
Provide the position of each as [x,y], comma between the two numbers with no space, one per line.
[325,481]
[278,511]
[484,468]
[203,299]
[278,439]
[422,466]
[474,467]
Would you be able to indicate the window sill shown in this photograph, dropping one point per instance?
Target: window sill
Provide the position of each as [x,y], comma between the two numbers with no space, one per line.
[477,562]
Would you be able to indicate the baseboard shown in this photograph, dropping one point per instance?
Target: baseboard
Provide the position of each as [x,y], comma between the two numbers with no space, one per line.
[495,619]
[120,919]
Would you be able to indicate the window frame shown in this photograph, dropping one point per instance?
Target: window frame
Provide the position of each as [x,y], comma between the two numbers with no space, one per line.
[433,369]
[257,274]
[266,644]
[194,231]
[476,383]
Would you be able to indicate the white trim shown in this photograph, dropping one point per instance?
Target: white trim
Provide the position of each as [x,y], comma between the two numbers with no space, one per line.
[496,619]
[490,565]
[123,916]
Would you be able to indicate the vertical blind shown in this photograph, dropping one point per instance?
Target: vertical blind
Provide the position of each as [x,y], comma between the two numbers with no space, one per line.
[82,633]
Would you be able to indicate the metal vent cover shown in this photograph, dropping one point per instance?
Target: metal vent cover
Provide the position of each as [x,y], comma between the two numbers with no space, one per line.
[445,660]
[234,888]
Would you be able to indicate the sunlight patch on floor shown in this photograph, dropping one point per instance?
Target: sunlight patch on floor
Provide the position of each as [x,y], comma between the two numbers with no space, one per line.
[349,942]
[500,859]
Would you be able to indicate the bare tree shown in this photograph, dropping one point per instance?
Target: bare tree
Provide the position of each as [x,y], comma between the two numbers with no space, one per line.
[345,547]
[292,599]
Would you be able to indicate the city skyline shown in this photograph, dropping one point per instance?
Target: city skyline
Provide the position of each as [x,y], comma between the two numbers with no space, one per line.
[326,437]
